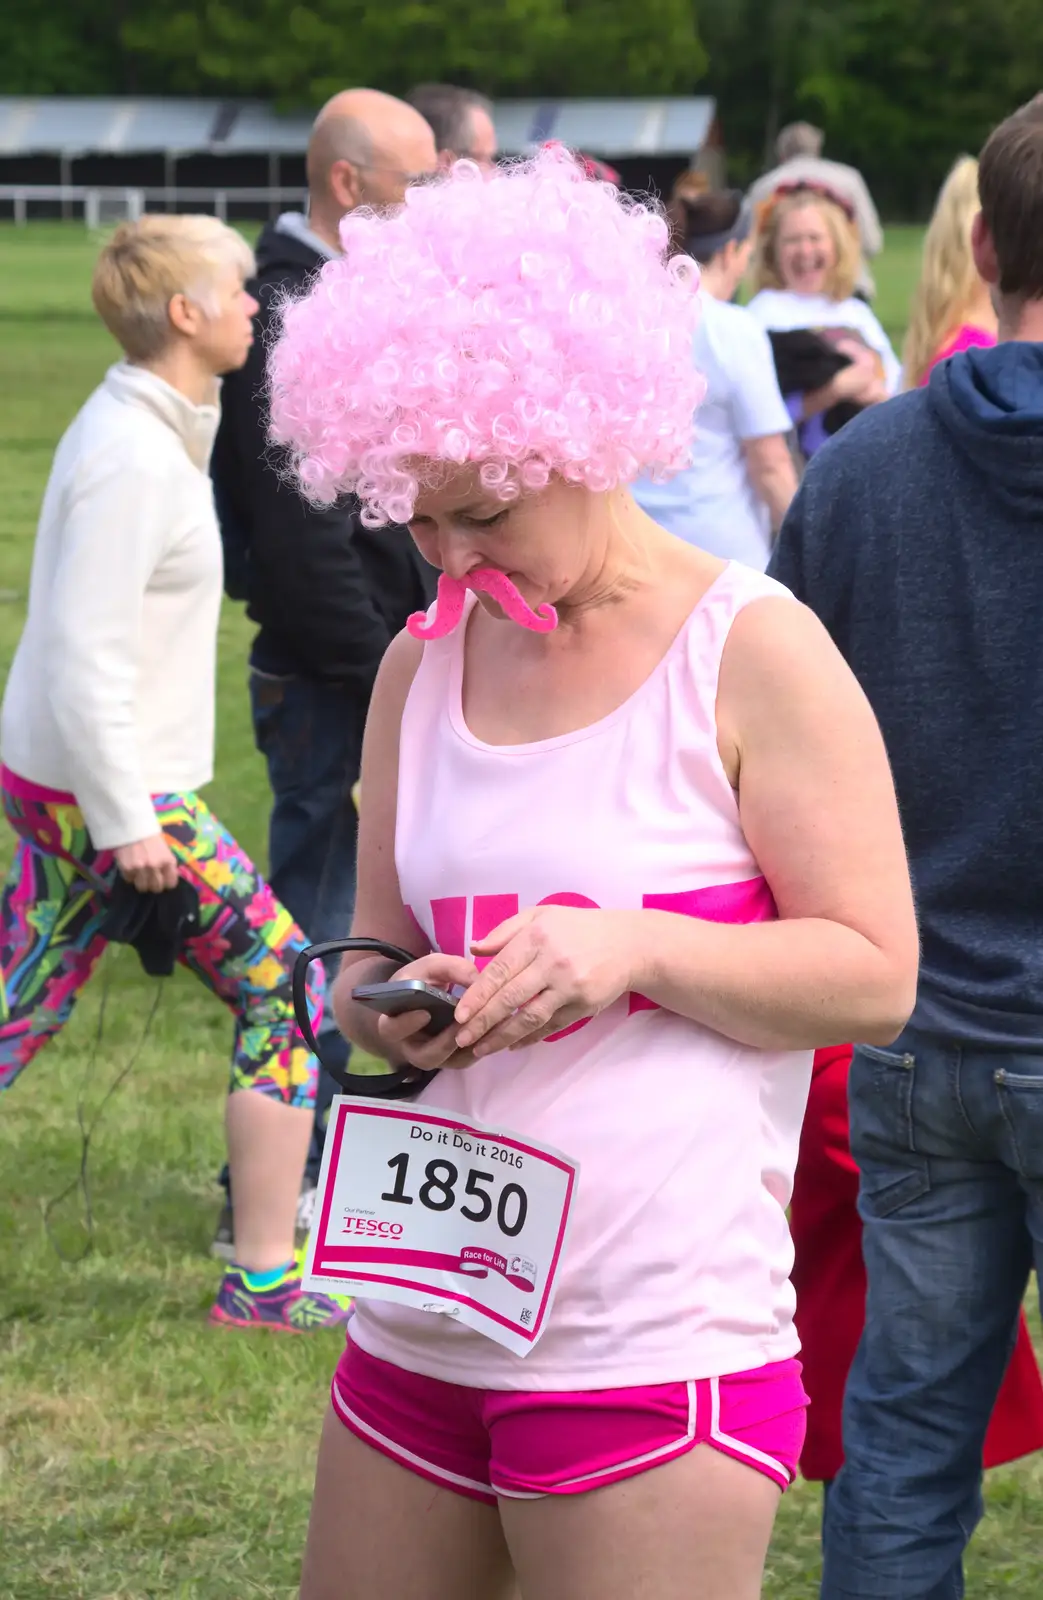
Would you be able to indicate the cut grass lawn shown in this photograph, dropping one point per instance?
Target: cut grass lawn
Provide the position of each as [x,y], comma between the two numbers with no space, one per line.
[143,1453]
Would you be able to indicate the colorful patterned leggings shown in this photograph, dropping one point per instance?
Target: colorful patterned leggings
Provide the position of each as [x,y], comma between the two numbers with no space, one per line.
[55,900]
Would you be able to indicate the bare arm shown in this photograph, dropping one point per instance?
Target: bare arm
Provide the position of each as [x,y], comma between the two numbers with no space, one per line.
[379,911]
[818,808]
[772,473]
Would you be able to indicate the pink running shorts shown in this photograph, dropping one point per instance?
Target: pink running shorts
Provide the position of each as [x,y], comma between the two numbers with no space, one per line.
[488,1443]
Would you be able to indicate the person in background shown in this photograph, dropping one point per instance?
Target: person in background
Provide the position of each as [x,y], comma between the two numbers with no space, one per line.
[691,184]
[829,1277]
[803,275]
[951,309]
[732,498]
[107,733]
[915,538]
[328,594]
[461,121]
[798,150]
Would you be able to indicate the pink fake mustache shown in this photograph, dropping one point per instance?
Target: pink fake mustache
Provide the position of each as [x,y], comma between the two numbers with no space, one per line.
[483,580]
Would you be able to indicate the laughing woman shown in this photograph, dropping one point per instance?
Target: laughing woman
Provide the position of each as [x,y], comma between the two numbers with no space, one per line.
[805,265]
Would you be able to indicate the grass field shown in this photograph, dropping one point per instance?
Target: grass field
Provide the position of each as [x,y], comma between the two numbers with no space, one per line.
[142,1453]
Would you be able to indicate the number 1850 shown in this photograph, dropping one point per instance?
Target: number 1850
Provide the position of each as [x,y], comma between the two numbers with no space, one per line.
[438,1193]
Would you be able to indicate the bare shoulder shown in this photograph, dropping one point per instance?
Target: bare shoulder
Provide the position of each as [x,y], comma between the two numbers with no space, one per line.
[782,679]
[398,668]
[776,634]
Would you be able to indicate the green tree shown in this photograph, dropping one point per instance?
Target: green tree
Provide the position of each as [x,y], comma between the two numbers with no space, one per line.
[901,87]
[302,53]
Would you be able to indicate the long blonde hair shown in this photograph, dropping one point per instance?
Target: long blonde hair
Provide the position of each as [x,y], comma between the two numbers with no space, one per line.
[765,274]
[948,277]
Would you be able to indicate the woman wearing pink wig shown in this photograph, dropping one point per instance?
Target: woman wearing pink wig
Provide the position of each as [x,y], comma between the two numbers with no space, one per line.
[628,796]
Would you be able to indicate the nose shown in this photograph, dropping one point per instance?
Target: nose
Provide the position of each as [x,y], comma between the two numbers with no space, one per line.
[252,306]
[457,556]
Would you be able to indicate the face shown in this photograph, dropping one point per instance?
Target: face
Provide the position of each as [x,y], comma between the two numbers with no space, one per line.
[482,147]
[221,327]
[805,251]
[382,183]
[228,333]
[544,541]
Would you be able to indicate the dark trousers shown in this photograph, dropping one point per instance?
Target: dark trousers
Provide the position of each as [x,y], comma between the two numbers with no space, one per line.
[949,1143]
[310,734]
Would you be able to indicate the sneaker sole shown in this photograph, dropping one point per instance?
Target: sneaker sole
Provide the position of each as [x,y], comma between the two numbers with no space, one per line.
[221,1319]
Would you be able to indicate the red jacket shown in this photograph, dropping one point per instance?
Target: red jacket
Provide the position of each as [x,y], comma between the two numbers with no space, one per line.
[830,1281]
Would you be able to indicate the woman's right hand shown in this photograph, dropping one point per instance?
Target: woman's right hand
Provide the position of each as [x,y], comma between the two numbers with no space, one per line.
[149,864]
[402,1038]
[861,381]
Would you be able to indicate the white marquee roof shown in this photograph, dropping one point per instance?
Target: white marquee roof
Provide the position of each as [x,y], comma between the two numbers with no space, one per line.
[70,126]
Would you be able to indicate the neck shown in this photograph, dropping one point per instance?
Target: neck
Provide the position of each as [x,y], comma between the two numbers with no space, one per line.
[178,366]
[629,556]
[1020,319]
[714,282]
[325,227]
[979,312]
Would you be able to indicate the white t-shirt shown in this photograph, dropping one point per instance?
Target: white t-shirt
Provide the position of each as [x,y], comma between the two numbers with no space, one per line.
[780,311]
[713,503]
[111,693]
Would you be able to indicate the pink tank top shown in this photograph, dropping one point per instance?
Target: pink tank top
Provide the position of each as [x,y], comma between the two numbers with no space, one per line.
[678,1259]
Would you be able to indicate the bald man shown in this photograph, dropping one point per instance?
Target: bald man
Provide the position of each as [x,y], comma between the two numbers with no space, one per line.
[365,150]
[327,595]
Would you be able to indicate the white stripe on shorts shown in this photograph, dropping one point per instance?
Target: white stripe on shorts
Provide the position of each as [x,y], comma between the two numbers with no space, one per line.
[647,1460]
[399,1451]
[739,1445]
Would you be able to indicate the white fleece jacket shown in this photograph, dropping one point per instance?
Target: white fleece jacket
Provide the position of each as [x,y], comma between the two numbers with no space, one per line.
[111,695]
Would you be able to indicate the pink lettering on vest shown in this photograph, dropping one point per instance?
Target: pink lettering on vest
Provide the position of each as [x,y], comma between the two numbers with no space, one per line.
[489,911]
[449,917]
[748,901]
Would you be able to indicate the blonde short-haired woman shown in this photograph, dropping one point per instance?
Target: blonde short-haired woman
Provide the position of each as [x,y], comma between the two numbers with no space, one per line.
[805,265]
[107,730]
[950,309]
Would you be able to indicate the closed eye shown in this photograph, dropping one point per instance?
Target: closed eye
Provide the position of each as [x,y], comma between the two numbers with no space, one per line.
[485,522]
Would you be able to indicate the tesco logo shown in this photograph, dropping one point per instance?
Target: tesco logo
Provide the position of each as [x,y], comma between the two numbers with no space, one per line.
[372,1228]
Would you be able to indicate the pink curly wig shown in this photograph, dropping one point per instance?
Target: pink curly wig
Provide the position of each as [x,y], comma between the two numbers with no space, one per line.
[529,322]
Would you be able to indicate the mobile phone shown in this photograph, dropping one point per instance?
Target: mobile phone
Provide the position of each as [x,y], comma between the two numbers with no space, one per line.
[411,994]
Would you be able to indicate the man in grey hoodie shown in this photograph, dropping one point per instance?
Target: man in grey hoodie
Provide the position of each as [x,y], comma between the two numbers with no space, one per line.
[917,537]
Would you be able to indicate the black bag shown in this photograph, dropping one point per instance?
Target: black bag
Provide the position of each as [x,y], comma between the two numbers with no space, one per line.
[157,925]
[807,359]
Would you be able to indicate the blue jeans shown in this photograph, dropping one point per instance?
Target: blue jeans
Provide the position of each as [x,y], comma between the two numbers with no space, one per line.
[310,734]
[949,1142]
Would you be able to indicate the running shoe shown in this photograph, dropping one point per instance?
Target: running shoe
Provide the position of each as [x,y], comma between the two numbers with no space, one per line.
[286,1306]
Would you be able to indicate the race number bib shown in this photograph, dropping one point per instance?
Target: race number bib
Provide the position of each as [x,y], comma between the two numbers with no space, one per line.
[418,1207]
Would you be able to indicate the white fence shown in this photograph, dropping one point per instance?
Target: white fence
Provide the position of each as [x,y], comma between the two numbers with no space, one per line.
[98,205]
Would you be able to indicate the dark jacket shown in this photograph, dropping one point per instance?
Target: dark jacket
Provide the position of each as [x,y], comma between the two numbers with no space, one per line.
[917,537]
[327,593]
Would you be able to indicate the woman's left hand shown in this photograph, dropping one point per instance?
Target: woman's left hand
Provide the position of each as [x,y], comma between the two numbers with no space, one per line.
[551,966]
